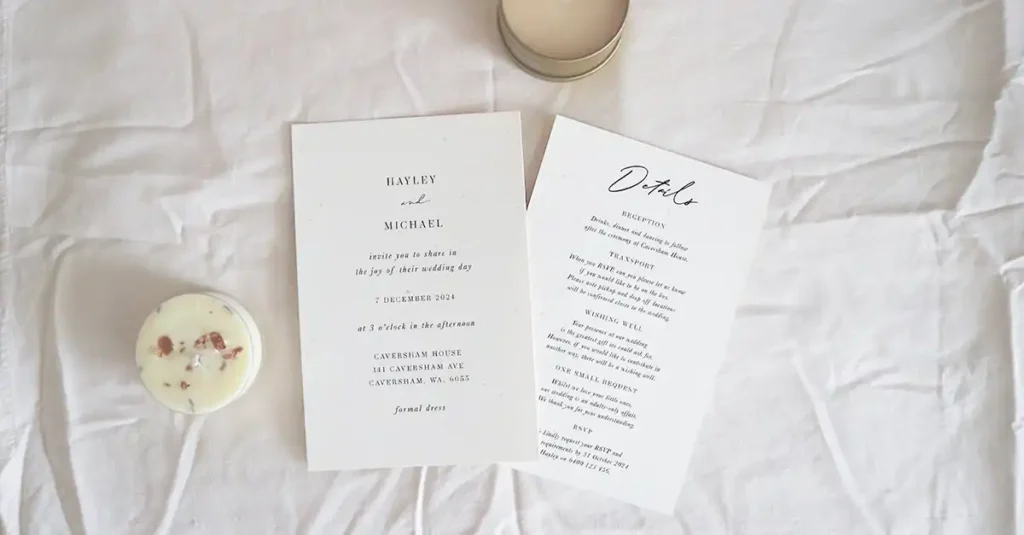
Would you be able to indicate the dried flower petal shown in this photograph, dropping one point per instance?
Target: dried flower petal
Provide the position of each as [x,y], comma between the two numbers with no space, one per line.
[165,345]
[217,340]
[201,342]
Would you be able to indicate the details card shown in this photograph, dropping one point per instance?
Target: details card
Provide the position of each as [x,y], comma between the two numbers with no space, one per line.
[637,257]
[414,292]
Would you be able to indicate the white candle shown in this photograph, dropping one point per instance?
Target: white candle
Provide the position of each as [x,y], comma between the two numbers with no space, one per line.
[198,352]
[565,29]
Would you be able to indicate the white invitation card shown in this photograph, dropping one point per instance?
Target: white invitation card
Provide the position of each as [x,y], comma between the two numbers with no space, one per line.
[413,291]
[637,259]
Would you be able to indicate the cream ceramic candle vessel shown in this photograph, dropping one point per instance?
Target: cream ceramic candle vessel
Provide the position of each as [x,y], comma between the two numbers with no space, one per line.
[198,352]
[565,29]
[561,40]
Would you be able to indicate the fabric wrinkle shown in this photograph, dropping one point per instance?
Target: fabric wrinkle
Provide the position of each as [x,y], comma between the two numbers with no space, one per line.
[52,409]
[418,526]
[408,84]
[835,450]
[186,462]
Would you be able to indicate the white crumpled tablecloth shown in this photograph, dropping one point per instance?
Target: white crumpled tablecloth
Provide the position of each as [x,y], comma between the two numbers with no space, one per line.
[869,387]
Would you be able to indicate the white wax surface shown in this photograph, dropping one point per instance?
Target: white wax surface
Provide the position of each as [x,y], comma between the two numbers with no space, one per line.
[198,352]
[565,29]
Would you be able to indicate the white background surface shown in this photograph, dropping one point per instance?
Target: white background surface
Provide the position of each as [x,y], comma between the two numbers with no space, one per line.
[869,383]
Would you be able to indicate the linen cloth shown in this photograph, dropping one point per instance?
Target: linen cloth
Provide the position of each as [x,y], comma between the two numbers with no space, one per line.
[869,387]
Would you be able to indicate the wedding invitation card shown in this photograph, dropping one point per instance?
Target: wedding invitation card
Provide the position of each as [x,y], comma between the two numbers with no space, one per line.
[414,292]
[637,257]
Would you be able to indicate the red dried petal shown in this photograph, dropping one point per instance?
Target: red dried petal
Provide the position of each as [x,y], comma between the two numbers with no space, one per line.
[184,385]
[165,345]
[218,341]
[232,354]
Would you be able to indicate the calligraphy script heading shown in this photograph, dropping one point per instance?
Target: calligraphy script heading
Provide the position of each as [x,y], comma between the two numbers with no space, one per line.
[639,176]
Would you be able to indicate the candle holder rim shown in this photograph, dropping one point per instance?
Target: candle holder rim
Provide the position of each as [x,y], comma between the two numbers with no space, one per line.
[552,78]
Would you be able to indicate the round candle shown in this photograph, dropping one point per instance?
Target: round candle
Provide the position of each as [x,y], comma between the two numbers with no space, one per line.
[198,352]
[565,29]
